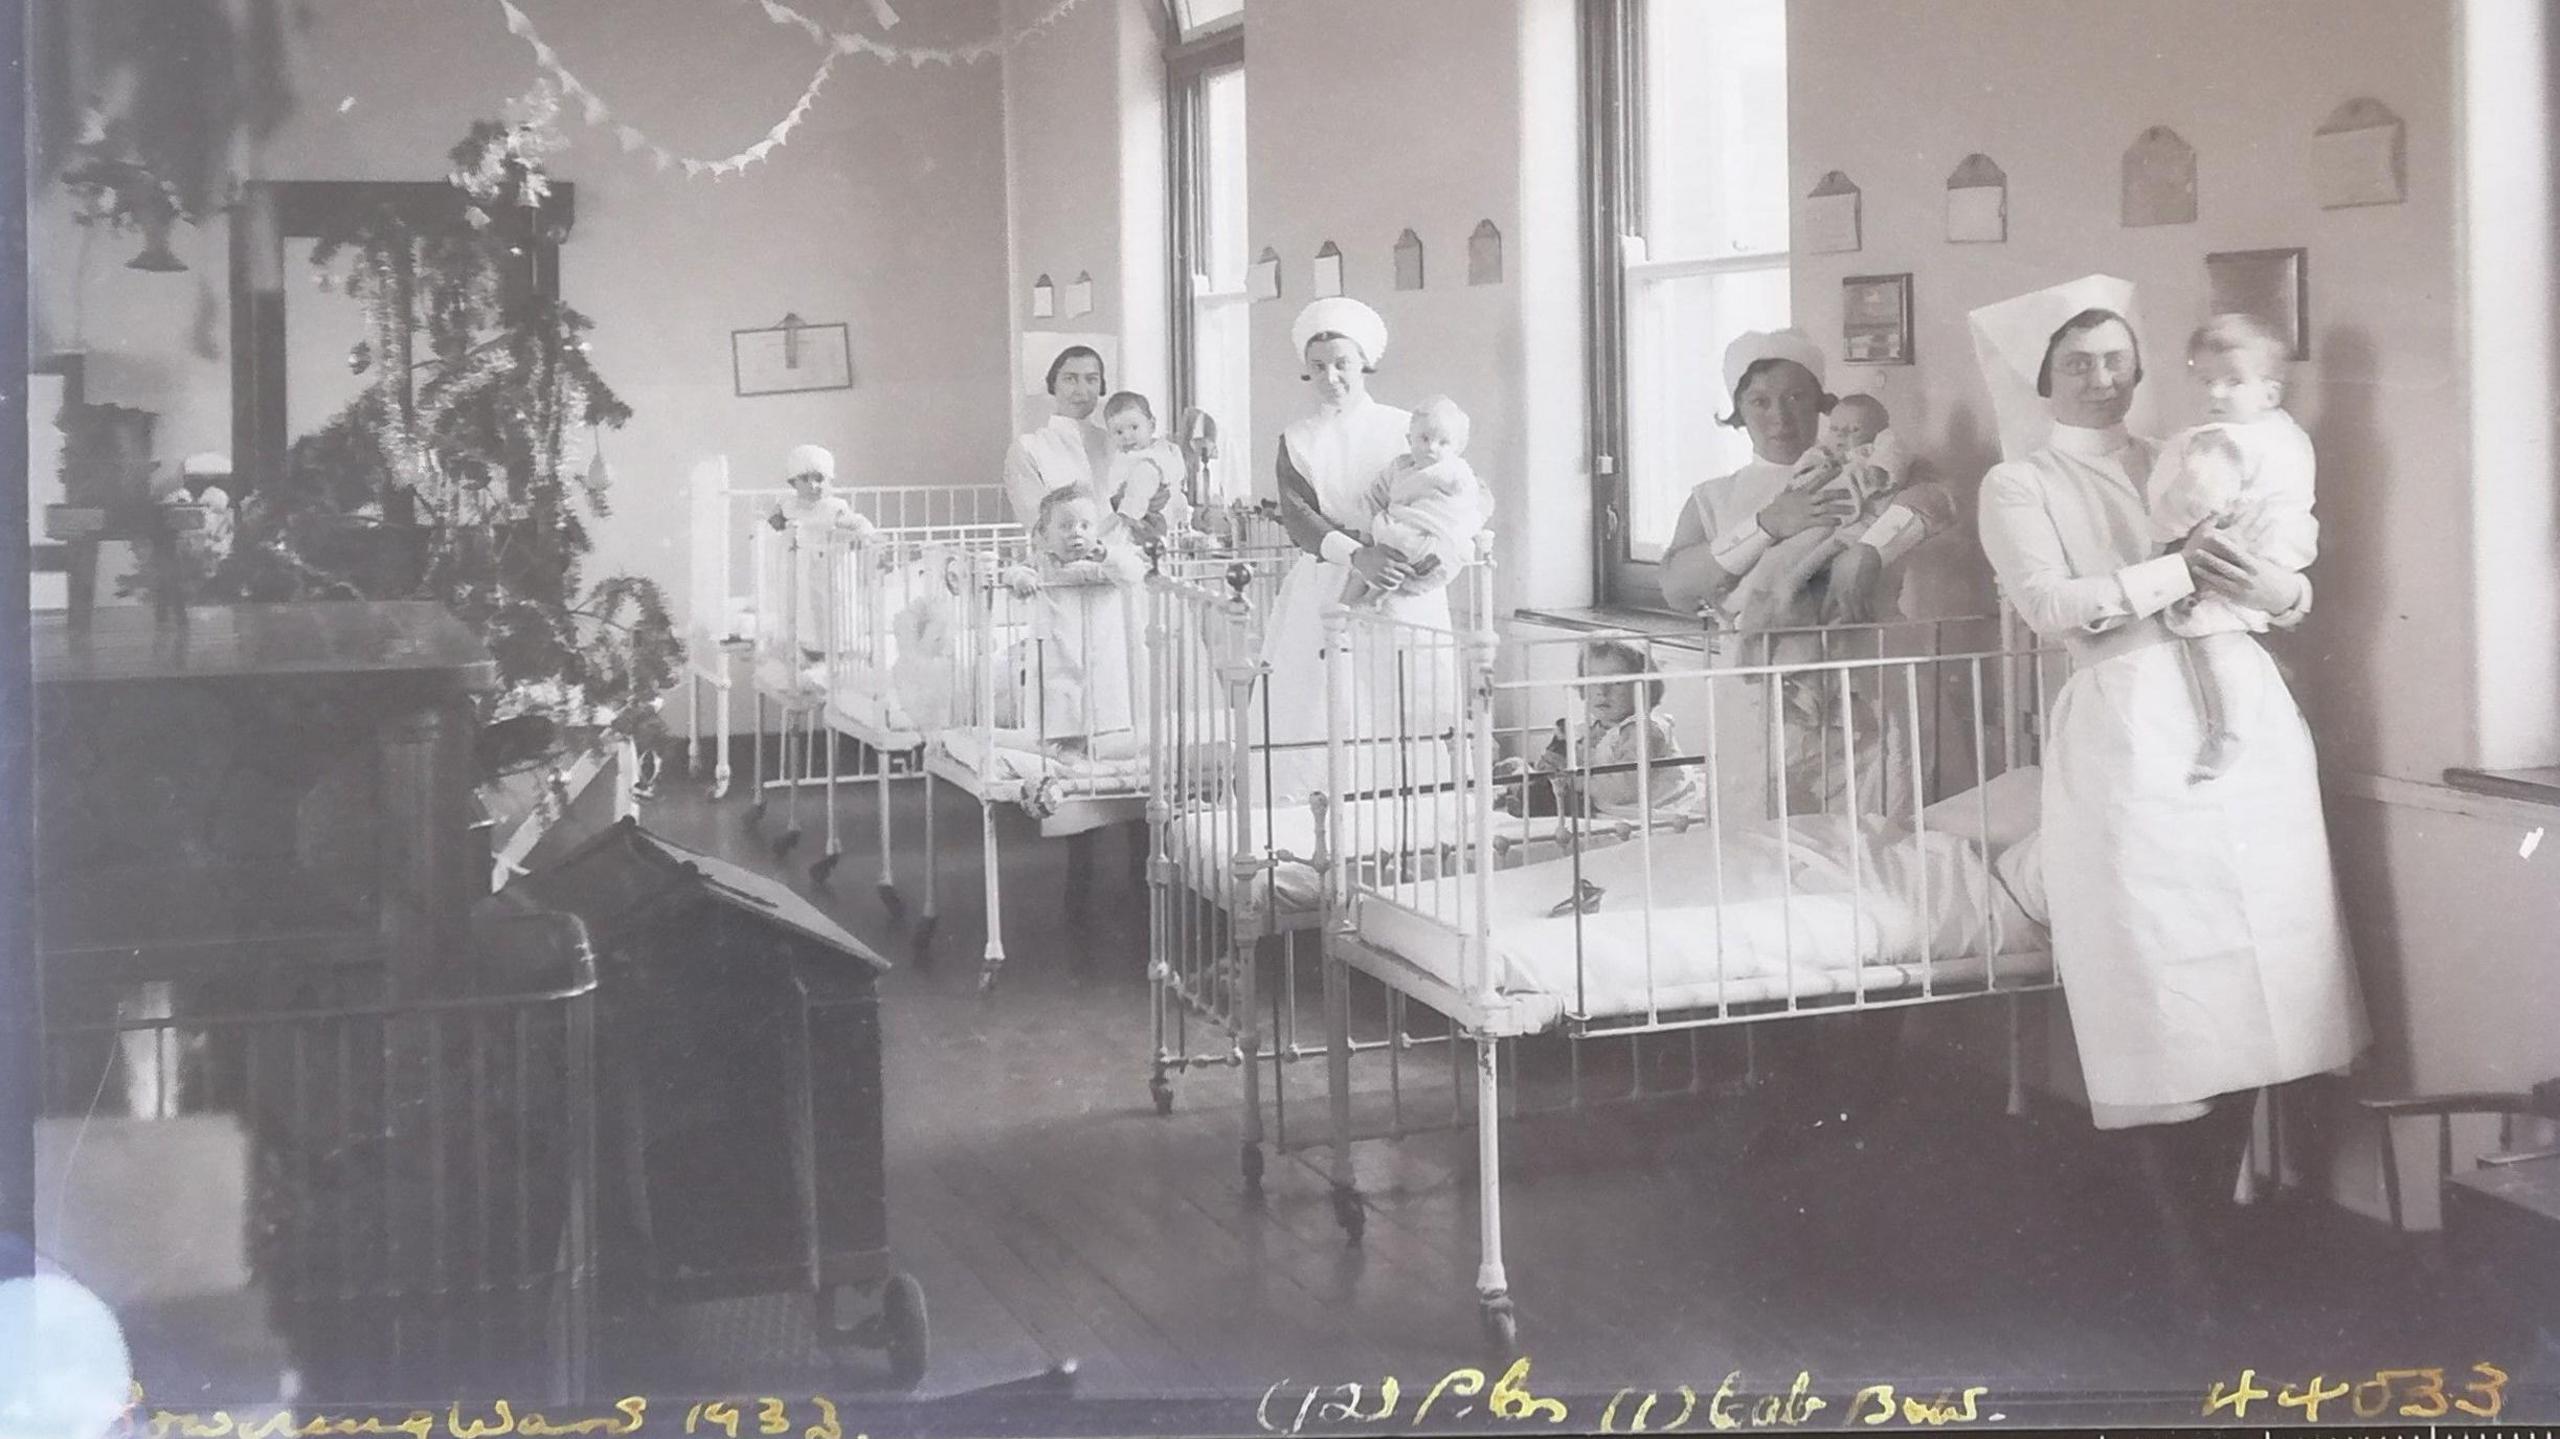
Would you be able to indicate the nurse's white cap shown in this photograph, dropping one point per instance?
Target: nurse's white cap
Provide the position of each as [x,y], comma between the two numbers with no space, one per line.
[1752,346]
[2010,340]
[810,460]
[1344,316]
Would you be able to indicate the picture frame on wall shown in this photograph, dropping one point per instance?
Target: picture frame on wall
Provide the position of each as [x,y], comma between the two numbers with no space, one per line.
[1875,319]
[791,357]
[2274,285]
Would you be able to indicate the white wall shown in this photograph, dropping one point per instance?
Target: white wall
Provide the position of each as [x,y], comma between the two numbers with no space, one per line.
[1084,134]
[2436,578]
[1896,97]
[1369,119]
[885,211]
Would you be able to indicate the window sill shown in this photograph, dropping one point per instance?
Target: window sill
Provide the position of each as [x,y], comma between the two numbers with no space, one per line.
[2533,786]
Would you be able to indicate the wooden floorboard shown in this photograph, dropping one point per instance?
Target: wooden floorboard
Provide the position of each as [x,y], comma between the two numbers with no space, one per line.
[1052,1214]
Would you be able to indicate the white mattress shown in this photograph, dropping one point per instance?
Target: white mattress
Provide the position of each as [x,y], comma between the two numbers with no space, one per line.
[1019,758]
[1788,922]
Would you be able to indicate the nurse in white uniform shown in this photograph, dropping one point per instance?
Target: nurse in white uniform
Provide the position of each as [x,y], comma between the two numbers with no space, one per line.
[1328,461]
[1071,447]
[2196,927]
[1731,521]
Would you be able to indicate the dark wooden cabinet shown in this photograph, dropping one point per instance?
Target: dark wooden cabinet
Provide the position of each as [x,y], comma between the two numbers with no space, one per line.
[285,778]
[741,1077]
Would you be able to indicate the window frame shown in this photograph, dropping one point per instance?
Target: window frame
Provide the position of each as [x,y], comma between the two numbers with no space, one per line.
[1615,111]
[1190,62]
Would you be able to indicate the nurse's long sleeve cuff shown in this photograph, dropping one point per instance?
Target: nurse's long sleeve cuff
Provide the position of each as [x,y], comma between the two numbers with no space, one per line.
[1338,548]
[1740,547]
[2154,585]
[1894,533]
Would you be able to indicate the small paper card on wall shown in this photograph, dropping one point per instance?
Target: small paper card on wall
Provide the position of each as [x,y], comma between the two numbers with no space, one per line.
[2274,285]
[1080,295]
[2359,156]
[1830,216]
[1041,348]
[1044,299]
[1328,276]
[1484,254]
[2159,180]
[1264,282]
[1977,203]
[1408,261]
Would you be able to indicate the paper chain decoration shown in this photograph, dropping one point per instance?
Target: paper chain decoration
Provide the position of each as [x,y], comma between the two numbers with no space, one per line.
[838,45]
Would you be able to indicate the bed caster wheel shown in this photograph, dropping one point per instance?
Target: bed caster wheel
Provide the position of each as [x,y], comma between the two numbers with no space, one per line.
[920,944]
[891,900]
[789,841]
[755,810]
[1501,1327]
[1162,1090]
[1349,1212]
[825,866]
[719,789]
[1253,1168]
[906,1331]
[987,979]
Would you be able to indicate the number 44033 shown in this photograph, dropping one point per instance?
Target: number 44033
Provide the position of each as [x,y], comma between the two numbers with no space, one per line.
[2410,1393]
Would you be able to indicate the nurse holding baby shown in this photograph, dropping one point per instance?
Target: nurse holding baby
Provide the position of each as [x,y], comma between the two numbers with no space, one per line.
[1330,462]
[1804,536]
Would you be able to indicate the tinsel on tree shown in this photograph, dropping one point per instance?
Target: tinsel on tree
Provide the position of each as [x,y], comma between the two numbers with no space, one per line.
[466,471]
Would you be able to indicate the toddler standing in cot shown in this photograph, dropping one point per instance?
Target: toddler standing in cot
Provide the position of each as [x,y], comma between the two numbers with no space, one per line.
[1077,669]
[809,470]
[1145,481]
[1625,725]
[2246,471]
[1861,458]
[1428,506]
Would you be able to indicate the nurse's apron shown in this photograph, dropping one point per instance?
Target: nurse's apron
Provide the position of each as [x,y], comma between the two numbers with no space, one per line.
[1342,453]
[2196,927]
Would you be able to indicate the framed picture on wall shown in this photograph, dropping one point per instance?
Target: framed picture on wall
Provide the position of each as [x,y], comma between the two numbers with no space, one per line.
[1875,319]
[2274,285]
[791,357]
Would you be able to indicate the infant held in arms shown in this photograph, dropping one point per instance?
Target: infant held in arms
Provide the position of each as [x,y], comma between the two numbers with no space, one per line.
[1428,506]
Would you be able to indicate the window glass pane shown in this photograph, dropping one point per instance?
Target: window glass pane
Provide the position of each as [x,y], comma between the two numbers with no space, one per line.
[1716,127]
[1222,123]
[1221,335]
[1676,333]
[1196,13]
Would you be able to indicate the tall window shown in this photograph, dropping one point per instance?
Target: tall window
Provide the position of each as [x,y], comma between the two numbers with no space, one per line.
[1213,346]
[1687,112]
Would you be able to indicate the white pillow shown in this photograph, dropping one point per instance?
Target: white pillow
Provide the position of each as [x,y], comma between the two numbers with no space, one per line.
[2021,869]
[1997,814]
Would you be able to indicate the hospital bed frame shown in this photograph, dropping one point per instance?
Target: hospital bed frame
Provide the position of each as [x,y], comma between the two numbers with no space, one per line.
[1457,898]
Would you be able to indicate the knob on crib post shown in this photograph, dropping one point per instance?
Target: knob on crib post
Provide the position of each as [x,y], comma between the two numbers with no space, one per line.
[1239,576]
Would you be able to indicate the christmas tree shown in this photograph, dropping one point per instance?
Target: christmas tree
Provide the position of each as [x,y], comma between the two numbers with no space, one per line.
[466,471]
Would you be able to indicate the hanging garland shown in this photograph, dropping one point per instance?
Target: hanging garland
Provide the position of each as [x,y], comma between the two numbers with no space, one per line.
[838,45]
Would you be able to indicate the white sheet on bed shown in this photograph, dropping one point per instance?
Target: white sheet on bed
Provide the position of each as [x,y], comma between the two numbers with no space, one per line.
[1789,921]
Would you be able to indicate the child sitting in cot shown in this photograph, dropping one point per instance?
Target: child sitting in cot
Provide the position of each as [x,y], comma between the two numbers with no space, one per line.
[2246,471]
[1861,458]
[1616,732]
[1145,480]
[1077,669]
[1428,506]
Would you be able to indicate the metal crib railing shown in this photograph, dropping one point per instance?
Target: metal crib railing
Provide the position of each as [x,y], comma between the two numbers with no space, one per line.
[1947,698]
[894,602]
